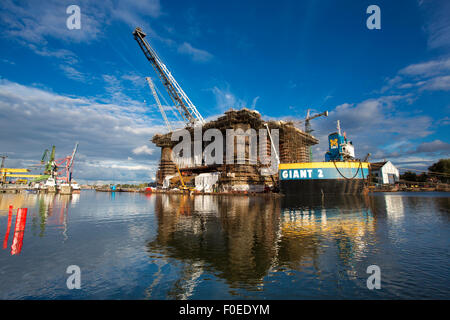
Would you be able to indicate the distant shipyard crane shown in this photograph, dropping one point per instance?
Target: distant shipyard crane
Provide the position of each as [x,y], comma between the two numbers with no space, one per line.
[67,164]
[3,177]
[181,101]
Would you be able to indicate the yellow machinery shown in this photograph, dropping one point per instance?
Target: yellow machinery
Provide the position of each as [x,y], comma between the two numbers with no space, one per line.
[14,173]
[183,186]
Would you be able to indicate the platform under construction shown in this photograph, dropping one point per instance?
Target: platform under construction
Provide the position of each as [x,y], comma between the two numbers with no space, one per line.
[239,170]
[294,146]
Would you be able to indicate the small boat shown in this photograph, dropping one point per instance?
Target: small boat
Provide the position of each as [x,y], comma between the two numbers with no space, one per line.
[148,190]
[75,187]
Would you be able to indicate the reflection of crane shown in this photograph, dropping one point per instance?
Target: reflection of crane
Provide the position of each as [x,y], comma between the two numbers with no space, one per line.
[181,101]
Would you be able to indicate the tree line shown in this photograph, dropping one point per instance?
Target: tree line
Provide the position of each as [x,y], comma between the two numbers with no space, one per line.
[438,172]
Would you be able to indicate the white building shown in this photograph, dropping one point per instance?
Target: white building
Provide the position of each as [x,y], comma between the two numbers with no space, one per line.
[384,172]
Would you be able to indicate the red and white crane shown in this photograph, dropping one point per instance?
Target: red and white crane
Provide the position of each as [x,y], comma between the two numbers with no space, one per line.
[67,164]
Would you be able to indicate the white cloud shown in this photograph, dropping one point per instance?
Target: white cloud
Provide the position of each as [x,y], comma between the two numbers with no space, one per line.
[437,26]
[434,146]
[225,99]
[427,69]
[34,21]
[72,73]
[438,84]
[197,55]
[102,129]
[143,150]
[255,101]
[433,75]
[375,126]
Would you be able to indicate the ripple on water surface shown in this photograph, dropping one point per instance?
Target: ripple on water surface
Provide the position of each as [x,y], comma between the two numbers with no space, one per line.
[136,246]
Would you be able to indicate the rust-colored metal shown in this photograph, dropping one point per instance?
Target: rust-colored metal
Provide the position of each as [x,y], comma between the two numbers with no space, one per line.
[293,146]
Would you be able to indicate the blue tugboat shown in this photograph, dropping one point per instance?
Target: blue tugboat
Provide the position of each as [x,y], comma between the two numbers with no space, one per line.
[341,173]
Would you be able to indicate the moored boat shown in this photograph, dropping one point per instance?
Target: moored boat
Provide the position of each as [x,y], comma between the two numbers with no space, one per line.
[341,173]
[323,177]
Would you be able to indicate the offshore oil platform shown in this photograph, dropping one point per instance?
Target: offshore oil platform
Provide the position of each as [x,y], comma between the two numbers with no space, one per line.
[296,174]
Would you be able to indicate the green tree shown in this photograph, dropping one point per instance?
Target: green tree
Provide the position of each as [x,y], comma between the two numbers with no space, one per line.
[409,176]
[442,168]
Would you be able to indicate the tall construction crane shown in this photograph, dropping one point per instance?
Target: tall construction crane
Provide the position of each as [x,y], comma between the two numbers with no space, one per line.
[181,101]
[308,118]
[155,95]
[308,128]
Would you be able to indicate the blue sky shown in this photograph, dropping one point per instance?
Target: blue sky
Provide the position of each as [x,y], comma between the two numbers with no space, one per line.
[389,87]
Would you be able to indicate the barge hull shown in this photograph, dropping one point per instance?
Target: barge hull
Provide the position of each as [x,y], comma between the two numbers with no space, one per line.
[347,177]
[324,186]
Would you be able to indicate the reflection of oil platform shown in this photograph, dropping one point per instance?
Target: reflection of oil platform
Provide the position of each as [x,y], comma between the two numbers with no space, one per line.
[242,239]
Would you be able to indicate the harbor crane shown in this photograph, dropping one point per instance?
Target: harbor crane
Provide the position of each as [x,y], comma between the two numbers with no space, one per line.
[307,122]
[308,118]
[181,101]
[308,128]
[155,95]
[3,178]
[44,156]
[67,163]
[13,172]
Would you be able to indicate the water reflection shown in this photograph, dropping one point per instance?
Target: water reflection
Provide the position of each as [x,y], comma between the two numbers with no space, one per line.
[8,228]
[346,223]
[394,207]
[52,211]
[134,246]
[235,237]
[242,239]
[46,210]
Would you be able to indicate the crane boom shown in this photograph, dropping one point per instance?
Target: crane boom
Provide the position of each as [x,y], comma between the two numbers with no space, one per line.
[155,95]
[44,156]
[178,96]
[308,118]
[73,155]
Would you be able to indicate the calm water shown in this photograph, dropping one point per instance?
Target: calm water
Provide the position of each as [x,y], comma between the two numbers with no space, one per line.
[133,246]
